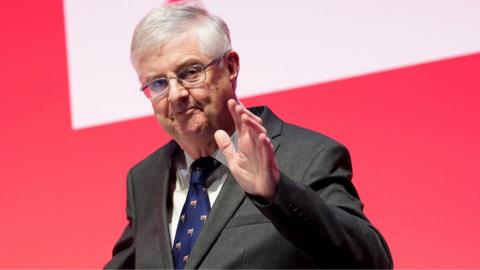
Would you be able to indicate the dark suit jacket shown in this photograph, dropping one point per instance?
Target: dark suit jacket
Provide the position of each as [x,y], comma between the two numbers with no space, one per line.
[316,220]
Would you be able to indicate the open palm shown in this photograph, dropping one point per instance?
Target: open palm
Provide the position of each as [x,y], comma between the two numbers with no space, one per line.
[253,163]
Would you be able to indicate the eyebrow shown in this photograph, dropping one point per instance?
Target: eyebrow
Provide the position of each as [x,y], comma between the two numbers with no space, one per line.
[182,65]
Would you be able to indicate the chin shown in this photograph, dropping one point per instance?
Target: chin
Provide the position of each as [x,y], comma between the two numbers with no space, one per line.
[197,125]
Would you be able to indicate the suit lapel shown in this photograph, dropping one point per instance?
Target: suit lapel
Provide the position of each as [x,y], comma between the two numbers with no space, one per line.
[162,178]
[230,198]
[271,122]
[228,201]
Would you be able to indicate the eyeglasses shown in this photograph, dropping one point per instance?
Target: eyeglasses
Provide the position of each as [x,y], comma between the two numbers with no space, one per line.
[187,77]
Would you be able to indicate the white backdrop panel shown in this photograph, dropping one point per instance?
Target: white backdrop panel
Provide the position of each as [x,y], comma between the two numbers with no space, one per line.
[282,44]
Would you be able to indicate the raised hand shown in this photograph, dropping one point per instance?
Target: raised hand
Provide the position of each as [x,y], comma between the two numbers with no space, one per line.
[253,162]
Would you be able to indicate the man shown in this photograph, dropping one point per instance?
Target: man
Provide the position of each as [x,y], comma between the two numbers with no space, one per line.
[235,188]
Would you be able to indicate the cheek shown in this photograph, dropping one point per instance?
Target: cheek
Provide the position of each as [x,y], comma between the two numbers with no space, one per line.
[203,95]
[161,114]
[221,91]
[159,107]
[210,99]
[220,97]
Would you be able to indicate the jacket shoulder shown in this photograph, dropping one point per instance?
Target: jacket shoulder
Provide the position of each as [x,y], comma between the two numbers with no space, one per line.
[163,155]
[297,138]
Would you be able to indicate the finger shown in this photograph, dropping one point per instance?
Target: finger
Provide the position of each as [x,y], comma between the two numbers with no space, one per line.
[256,118]
[232,104]
[240,111]
[253,124]
[268,152]
[254,129]
[225,144]
[249,113]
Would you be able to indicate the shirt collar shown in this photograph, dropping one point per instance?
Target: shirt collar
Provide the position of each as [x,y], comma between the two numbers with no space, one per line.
[218,155]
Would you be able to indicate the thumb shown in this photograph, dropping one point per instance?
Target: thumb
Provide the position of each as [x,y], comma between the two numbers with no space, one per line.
[225,144]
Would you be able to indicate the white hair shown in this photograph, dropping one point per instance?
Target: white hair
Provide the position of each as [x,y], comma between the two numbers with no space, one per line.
[166,22]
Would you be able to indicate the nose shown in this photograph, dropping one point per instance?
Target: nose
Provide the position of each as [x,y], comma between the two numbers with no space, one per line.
[176,91]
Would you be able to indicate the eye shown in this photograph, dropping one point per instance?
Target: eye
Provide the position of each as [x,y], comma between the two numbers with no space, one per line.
[191,74]
[158,85]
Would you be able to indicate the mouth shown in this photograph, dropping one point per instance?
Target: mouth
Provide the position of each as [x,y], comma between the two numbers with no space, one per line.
[181,114]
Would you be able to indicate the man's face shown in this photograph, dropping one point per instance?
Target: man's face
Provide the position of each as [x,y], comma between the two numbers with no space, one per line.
[191,115]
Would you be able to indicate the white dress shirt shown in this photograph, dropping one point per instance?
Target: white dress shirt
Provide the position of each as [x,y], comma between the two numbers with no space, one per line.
[214,183]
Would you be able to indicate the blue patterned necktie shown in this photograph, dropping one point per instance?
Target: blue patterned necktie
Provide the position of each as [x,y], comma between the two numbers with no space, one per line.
[194,211]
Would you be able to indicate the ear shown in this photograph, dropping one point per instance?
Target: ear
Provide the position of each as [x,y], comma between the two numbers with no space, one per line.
[232,62]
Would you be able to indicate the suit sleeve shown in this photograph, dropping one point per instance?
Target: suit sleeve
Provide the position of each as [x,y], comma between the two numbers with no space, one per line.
[123,254]
[322,215]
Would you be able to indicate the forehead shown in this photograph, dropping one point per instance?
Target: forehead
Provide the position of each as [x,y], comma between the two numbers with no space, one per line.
[180,51]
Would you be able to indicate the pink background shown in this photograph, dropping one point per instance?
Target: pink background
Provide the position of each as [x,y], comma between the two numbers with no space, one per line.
[413,133]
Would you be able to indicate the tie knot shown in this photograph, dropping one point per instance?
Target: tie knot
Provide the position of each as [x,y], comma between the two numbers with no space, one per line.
[201,169]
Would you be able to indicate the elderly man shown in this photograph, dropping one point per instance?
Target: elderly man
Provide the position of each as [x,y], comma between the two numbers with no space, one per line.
[235,188]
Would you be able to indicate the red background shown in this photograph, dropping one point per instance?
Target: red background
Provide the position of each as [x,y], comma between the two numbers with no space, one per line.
[413,134]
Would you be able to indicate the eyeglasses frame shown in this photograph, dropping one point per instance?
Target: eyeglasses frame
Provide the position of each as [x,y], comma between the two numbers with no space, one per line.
[179,81]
